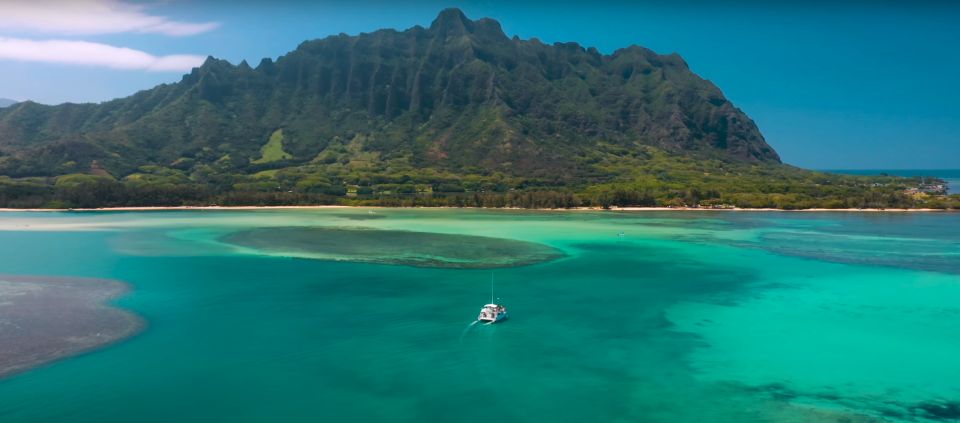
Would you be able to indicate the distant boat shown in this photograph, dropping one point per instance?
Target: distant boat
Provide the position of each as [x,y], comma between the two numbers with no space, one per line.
[492,313]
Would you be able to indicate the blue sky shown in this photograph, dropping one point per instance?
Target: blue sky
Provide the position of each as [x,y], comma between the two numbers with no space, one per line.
[831,85]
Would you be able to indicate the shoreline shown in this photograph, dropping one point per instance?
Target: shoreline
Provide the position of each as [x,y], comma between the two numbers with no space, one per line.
[611,209]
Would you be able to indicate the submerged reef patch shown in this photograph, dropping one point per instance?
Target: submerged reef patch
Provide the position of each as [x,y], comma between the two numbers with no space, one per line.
[420,249]
[43,319]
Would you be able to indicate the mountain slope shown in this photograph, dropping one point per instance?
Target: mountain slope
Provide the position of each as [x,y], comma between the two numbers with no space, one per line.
[456,114]
[4,102]
[459,96]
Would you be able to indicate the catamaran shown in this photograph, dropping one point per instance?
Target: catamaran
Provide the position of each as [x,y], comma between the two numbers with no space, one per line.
[492,313]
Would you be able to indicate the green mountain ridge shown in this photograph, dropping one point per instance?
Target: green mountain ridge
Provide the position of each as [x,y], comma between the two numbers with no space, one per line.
[5,102]
[458,107]
[458,93]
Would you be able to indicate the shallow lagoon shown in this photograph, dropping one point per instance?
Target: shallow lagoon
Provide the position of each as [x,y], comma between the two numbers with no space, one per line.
[712,316]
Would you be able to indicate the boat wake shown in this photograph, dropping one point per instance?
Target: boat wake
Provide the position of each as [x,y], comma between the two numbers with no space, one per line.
[467,329]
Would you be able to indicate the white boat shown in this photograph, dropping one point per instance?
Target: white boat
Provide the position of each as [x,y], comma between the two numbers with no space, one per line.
[492,313]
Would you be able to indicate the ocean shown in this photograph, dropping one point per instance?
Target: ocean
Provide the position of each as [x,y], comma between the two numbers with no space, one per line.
[366,315]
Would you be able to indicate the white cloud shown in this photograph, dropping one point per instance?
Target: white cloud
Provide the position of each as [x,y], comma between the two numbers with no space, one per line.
[93,54]
[89,17]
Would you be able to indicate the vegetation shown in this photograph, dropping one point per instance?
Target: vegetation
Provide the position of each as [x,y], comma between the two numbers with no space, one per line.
[457,114]
[656,179]
[272,151]
[459,97]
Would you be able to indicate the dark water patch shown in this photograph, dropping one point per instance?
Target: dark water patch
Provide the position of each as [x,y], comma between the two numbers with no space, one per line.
[892,414]
[43,319]
[938,410]
[698,224]
[774,390]
[359,216]
[932,410]
[918,241]
[917,226]
[936,249]
[688,274]
[420,249]
[928,255]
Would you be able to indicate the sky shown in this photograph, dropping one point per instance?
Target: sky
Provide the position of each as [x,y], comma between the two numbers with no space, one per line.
[832,85]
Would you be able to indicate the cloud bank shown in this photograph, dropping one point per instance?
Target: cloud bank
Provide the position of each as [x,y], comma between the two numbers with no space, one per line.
[93,54]
[90,17]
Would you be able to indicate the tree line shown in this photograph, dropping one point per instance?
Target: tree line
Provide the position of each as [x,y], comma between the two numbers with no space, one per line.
[90,191]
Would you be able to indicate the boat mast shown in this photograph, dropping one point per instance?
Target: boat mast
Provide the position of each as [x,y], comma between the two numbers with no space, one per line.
[491,287]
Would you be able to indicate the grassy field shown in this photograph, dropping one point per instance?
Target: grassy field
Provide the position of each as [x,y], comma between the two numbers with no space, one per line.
[272,151]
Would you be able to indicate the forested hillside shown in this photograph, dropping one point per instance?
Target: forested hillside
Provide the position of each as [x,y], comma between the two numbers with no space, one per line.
[449,114]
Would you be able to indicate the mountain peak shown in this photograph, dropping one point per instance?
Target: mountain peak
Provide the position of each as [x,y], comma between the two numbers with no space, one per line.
[211,62]
[452,20]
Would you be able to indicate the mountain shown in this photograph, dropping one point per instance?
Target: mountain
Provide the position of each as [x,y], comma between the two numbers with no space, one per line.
[458,107]
[459,93]
[4,102]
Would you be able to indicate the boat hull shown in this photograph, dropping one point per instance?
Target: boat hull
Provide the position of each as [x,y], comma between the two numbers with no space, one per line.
[490,321]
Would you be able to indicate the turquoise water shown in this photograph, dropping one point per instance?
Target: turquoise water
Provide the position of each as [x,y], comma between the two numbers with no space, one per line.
[689,316]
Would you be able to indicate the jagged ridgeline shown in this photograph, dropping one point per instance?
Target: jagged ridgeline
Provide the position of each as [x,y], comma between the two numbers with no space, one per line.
[456,114]
[459,95]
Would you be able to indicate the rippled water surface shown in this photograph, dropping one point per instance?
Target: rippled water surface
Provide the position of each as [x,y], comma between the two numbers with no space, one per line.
[364,315]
